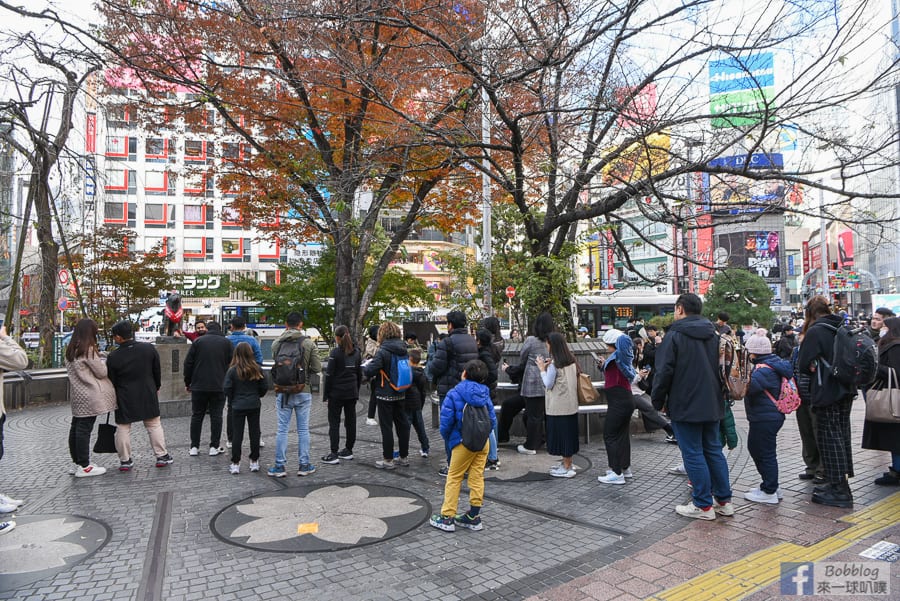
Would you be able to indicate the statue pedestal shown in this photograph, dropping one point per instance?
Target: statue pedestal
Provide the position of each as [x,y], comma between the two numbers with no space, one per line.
[174,400]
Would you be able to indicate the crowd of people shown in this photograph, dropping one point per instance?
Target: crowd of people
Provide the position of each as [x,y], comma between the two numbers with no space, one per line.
[675,378]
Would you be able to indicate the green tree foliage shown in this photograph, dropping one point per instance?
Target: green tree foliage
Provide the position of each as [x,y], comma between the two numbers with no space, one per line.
[309,288]
[743,295]
[117,282]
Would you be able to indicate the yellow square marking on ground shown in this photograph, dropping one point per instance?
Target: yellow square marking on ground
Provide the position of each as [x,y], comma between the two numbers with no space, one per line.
[310,528]
[741,578]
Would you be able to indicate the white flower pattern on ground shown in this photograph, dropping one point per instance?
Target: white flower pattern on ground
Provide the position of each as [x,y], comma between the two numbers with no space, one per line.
[344,515]
[36,546]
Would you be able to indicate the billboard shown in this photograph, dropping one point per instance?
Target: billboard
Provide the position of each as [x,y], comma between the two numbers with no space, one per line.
[756,251]
[741,89]
[845,249]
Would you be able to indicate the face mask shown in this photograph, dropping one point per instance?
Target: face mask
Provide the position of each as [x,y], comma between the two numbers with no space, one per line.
[882,332]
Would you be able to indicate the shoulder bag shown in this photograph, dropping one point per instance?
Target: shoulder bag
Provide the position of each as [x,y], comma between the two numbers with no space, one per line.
[883,404]
[587,394]
[106,437]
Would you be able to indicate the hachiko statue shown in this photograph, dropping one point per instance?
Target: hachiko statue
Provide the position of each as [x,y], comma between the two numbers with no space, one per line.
[171,321]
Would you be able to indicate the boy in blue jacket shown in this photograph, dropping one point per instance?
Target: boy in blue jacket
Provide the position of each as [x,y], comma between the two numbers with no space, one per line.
[473,391]
[764,417]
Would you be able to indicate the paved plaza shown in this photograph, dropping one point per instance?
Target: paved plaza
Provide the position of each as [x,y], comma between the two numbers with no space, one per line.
[351,531]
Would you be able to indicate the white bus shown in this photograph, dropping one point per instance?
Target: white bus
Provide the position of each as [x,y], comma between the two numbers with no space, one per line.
[605,309]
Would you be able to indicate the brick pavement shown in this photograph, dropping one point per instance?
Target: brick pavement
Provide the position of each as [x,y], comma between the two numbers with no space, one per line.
[556,539]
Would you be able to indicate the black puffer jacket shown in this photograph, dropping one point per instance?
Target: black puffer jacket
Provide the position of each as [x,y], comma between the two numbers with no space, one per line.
[343,375]
[207,361]
[818,343]
[686,372]
[382,362]
[244,395]
[450,358]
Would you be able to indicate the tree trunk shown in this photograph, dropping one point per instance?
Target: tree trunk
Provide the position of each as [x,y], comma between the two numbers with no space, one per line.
[345,289]
[49,252]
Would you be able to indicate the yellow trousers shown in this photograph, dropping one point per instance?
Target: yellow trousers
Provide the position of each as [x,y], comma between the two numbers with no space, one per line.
[463,460]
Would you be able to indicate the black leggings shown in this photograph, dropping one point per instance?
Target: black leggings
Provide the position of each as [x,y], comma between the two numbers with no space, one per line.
[617,428]
[335,408]
[534,428]
[80,440]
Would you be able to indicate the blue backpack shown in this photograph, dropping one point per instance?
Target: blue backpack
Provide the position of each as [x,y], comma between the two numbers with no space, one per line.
[400,377]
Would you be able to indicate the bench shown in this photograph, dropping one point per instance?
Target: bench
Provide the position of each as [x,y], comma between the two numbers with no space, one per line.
[585,410]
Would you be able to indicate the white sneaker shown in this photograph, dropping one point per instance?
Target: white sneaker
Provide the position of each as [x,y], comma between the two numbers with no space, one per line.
[7,527]
[627,473]
[758,496]
[521,449]
[90,470]
[692,511]
[678,470]
[254,466]
[4,500]
[227,444]
[234,468]
[611,478]
[194,452]
[8,508]
[213,451]
[371,421]
[726,509]
[262,443]
[560,471]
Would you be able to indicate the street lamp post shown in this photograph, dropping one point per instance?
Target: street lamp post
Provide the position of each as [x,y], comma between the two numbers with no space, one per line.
[823,242]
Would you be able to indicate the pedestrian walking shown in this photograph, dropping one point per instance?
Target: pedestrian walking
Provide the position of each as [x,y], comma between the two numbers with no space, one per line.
[244,386]
[91,393]
[205,365]
[134,371]
[343,377]
[559,374]
[765,420]
[688,384]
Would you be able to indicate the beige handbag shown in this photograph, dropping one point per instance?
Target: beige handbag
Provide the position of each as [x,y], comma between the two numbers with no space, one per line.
[883,405]
[587,394]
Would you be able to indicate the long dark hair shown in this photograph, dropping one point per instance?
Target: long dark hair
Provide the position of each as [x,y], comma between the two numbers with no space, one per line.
[84,340]
[893,333]
[817,307]
[492,325]
[345,340]
[245,362]
[485,340]
[543,325]
[559,350]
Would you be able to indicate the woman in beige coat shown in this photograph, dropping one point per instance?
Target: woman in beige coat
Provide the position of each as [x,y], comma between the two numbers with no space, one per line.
[90,392]
[559,374]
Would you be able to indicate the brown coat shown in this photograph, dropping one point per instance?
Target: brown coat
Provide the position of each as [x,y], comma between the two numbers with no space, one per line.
[90,390]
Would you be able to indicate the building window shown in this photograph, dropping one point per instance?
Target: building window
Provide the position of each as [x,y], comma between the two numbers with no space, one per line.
[196,151]
[120,180]
[198,248]
[158,149]
[235,249]
[115,212]
[269,250]
[158,183]
[121,147]
[198,184]
[231,217]
[198,216]
[159,214]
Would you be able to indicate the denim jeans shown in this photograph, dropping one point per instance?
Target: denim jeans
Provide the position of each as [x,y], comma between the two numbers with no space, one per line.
[704,461]
[417,422]
[300,404]
[492,441]
[761,444]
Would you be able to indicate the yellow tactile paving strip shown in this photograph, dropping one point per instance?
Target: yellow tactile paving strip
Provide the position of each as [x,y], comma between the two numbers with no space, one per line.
[755,572]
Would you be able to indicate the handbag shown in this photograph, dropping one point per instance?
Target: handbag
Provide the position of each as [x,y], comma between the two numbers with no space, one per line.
[883,404]
[106,437]
[587,394]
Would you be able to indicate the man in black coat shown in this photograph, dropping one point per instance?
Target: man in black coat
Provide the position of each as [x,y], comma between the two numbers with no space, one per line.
[785,346]
[134,371]
[204,375]
[687,382]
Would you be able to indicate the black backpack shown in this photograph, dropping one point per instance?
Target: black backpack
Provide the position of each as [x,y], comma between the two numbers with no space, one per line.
[854,360]
[288,372]
[476,427]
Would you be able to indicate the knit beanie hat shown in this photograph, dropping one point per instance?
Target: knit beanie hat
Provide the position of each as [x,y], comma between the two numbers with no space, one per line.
[758,345]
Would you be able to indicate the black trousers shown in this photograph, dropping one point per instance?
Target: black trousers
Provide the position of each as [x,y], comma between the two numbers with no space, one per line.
[370,413]
[653,419]
[201,404]
[2,421]
[509,409]
[229,421]
[335,408]
[806,424]
[80,439]
[251,417]
[390,416]
[834,441]
[534,427]
[617,428]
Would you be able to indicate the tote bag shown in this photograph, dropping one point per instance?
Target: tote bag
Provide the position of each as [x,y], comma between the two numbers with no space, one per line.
[883,405]
[587,394]
[106,437]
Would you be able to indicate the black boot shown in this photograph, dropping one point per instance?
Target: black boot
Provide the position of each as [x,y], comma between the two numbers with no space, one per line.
[889,478]
[835,495]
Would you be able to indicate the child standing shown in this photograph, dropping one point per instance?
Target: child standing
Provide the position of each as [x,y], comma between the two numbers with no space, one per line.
[244,386]
[471,390]
[764,417]
[415,400]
